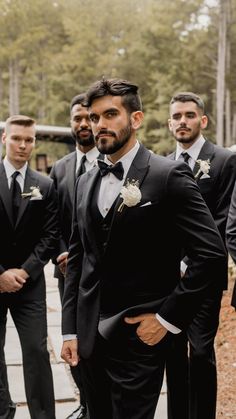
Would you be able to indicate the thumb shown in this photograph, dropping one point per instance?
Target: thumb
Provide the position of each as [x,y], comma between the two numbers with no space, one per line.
[133,320]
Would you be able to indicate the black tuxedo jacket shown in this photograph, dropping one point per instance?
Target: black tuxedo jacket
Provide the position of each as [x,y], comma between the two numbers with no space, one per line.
[217,188]
[140,268]
[31,242]
[63,175]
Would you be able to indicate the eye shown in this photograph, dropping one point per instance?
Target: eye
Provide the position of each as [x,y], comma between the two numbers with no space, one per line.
[94,118]
[176,116]
[111,114]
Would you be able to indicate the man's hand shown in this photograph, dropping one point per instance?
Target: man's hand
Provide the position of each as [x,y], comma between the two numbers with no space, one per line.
[150,330]
[69,352]
[20,272]
[62,262]
[11,281]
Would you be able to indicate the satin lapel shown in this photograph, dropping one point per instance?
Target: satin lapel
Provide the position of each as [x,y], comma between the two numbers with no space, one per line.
[137,172]
[70,174]
[5,193]
[93,177]
[30,180]
[206,152]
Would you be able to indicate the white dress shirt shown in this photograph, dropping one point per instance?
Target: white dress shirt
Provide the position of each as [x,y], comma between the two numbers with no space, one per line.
[193,151]
[91,157]
[110,185]
[10,169]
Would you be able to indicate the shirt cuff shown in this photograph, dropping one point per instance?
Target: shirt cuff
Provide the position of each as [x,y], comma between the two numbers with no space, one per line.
[68,337]
[170,327]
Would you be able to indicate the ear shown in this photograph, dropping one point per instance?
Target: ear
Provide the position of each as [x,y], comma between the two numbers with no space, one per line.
[4,138]
[204,121]
[136,119]
[169,125]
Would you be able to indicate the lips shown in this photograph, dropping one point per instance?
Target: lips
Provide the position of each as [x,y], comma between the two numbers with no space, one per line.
[182,129]
[84,133]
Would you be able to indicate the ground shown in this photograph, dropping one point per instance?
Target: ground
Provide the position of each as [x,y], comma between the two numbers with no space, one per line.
[226,355]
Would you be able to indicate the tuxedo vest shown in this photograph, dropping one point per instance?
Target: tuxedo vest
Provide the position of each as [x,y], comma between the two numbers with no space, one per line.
[101,225]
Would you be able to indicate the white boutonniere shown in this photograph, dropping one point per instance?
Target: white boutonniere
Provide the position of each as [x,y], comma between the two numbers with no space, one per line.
[35,193]
[204,167]
[131,194]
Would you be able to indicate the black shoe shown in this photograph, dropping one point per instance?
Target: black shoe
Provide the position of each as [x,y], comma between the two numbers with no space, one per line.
[79,413]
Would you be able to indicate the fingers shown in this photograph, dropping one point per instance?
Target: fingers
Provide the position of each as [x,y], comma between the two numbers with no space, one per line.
[69,352]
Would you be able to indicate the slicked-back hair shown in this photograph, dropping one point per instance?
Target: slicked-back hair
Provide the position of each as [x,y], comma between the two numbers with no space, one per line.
[188,97]
[115,87]
[22,120]
[77,100]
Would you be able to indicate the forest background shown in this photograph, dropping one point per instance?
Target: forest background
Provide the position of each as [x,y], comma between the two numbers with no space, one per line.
[52,50]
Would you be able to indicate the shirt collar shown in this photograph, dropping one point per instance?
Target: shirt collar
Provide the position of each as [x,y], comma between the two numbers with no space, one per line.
[91,155]
[193,151]
[10,169]
[127,158]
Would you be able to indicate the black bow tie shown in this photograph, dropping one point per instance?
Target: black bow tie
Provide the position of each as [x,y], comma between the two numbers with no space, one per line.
[117,169]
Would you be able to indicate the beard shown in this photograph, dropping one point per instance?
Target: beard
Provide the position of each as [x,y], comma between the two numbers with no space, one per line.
[110,146]
[188,138]
[84,141]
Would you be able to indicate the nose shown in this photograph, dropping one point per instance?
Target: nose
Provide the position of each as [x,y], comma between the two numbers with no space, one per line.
[22,144]
[101,124]
[183,120]
[84,123]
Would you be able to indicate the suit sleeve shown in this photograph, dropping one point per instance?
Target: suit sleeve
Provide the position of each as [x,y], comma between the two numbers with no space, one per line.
[231,227]
[45,246]
[203,245]
[73,273]
[225,186]
[62,247]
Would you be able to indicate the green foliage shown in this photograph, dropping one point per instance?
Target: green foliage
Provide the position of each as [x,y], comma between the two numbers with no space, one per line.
[62,46]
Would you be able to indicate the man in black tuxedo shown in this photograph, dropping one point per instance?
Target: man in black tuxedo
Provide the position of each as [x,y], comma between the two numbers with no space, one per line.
[231,237]
[120,303]
[192,380]
[29,232]
[64,174]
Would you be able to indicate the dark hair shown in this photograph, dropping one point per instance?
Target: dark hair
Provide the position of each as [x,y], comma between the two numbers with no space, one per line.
[188,97]
[115,87]
[77,100]
[22,120]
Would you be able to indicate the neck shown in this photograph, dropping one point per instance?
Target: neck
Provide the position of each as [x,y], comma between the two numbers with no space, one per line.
[124,150]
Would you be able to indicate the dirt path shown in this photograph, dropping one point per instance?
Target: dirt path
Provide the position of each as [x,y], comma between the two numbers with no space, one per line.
[226,357]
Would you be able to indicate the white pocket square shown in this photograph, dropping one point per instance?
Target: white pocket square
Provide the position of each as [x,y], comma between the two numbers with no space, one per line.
[204,176]
[36,198]
[146,204]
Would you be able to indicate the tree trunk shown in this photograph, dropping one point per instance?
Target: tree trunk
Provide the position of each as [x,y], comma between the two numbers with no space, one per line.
[228,120]
[220,86]
[14,75]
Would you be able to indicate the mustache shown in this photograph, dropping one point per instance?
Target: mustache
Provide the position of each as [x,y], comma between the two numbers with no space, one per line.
[183,127]
[105,132]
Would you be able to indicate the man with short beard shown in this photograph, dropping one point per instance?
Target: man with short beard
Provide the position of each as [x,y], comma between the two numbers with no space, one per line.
[192,376]
[132,215]
[64,173]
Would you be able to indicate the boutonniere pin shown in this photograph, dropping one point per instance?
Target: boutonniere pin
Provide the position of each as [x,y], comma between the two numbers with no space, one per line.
[131,194]
[204,167]
[34,194]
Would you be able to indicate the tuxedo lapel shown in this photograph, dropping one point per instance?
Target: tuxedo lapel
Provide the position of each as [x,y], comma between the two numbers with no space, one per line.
[206,152]
[137,173]
[5,193]
[30,180]
[92,179]
[70,174]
